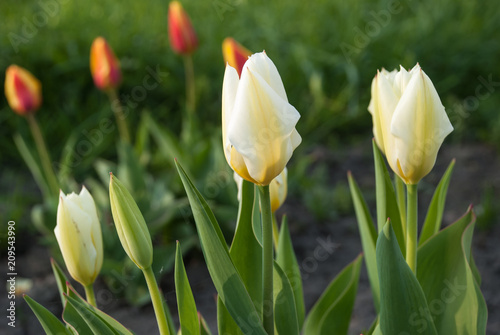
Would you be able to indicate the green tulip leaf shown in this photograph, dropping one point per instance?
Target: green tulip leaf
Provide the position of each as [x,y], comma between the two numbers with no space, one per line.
[94,322]
[73,319]
[225,277]
[285,313]
[204,330]
[403,307]
[49,321]
[434,216]
[332,312]
[445,272]
[368,235]
[285,257]
[246,254]
[387,204]
[110,322]
[61,279]
[188,314]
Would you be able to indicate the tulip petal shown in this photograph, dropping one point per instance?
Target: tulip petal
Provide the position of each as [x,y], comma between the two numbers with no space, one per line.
[420,125]
[269,120]
[229,89]
[261,64]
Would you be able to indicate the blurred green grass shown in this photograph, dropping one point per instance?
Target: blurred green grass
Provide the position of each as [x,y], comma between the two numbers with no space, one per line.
[455,41]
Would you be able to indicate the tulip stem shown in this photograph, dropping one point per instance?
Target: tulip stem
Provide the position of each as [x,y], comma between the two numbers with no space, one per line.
[268,259]
[157,300]
[117,109]
[400,194]
[412,227]
[43,154]
[89,293]
[190,87]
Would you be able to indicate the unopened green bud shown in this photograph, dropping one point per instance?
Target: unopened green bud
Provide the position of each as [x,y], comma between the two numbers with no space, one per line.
[130,225]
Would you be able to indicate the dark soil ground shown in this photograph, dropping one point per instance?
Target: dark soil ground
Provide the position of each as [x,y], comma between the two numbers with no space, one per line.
[477,168]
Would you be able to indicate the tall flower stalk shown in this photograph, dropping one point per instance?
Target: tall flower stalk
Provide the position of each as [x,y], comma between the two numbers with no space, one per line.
[107,75]
[24,95]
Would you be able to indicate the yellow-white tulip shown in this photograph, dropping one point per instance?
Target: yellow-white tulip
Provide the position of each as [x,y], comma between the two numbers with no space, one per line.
[409,121]
[78,233]
[258,122]
[277,189]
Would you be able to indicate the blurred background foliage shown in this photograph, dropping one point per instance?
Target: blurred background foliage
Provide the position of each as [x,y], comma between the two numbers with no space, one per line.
[327,52]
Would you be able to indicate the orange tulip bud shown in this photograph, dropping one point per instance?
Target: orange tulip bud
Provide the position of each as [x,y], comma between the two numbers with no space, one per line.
[180,31]
[104,65]
[23,90]
[235,54]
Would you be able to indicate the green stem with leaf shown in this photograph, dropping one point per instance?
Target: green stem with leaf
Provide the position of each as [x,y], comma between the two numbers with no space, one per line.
[43,154]
[268,259]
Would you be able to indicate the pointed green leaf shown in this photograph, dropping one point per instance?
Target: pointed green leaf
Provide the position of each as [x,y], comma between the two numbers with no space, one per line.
[204,330]
[49,321]
[95,323]
[61,279]
[403,307]
[285,257]
[368,238]
[246,254]
[447,278]
[285,313]
[434,216]
[332,312]
[387,204]
[188,314]
[225,277]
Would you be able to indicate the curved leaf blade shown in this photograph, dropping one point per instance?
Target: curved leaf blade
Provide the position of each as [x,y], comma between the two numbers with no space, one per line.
[332,312]
[225,277]
[403,307]
[188,314]
[434,215]
[446,274]
[49,321]
[285,257]
[368,235]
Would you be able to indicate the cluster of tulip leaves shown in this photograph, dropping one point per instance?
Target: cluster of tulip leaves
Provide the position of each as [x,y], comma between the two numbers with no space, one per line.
[444,297]
[237,275]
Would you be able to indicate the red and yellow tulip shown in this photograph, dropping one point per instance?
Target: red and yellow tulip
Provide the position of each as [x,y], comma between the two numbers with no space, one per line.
[104,65]
[180,30]
[23,90]
[235,54]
